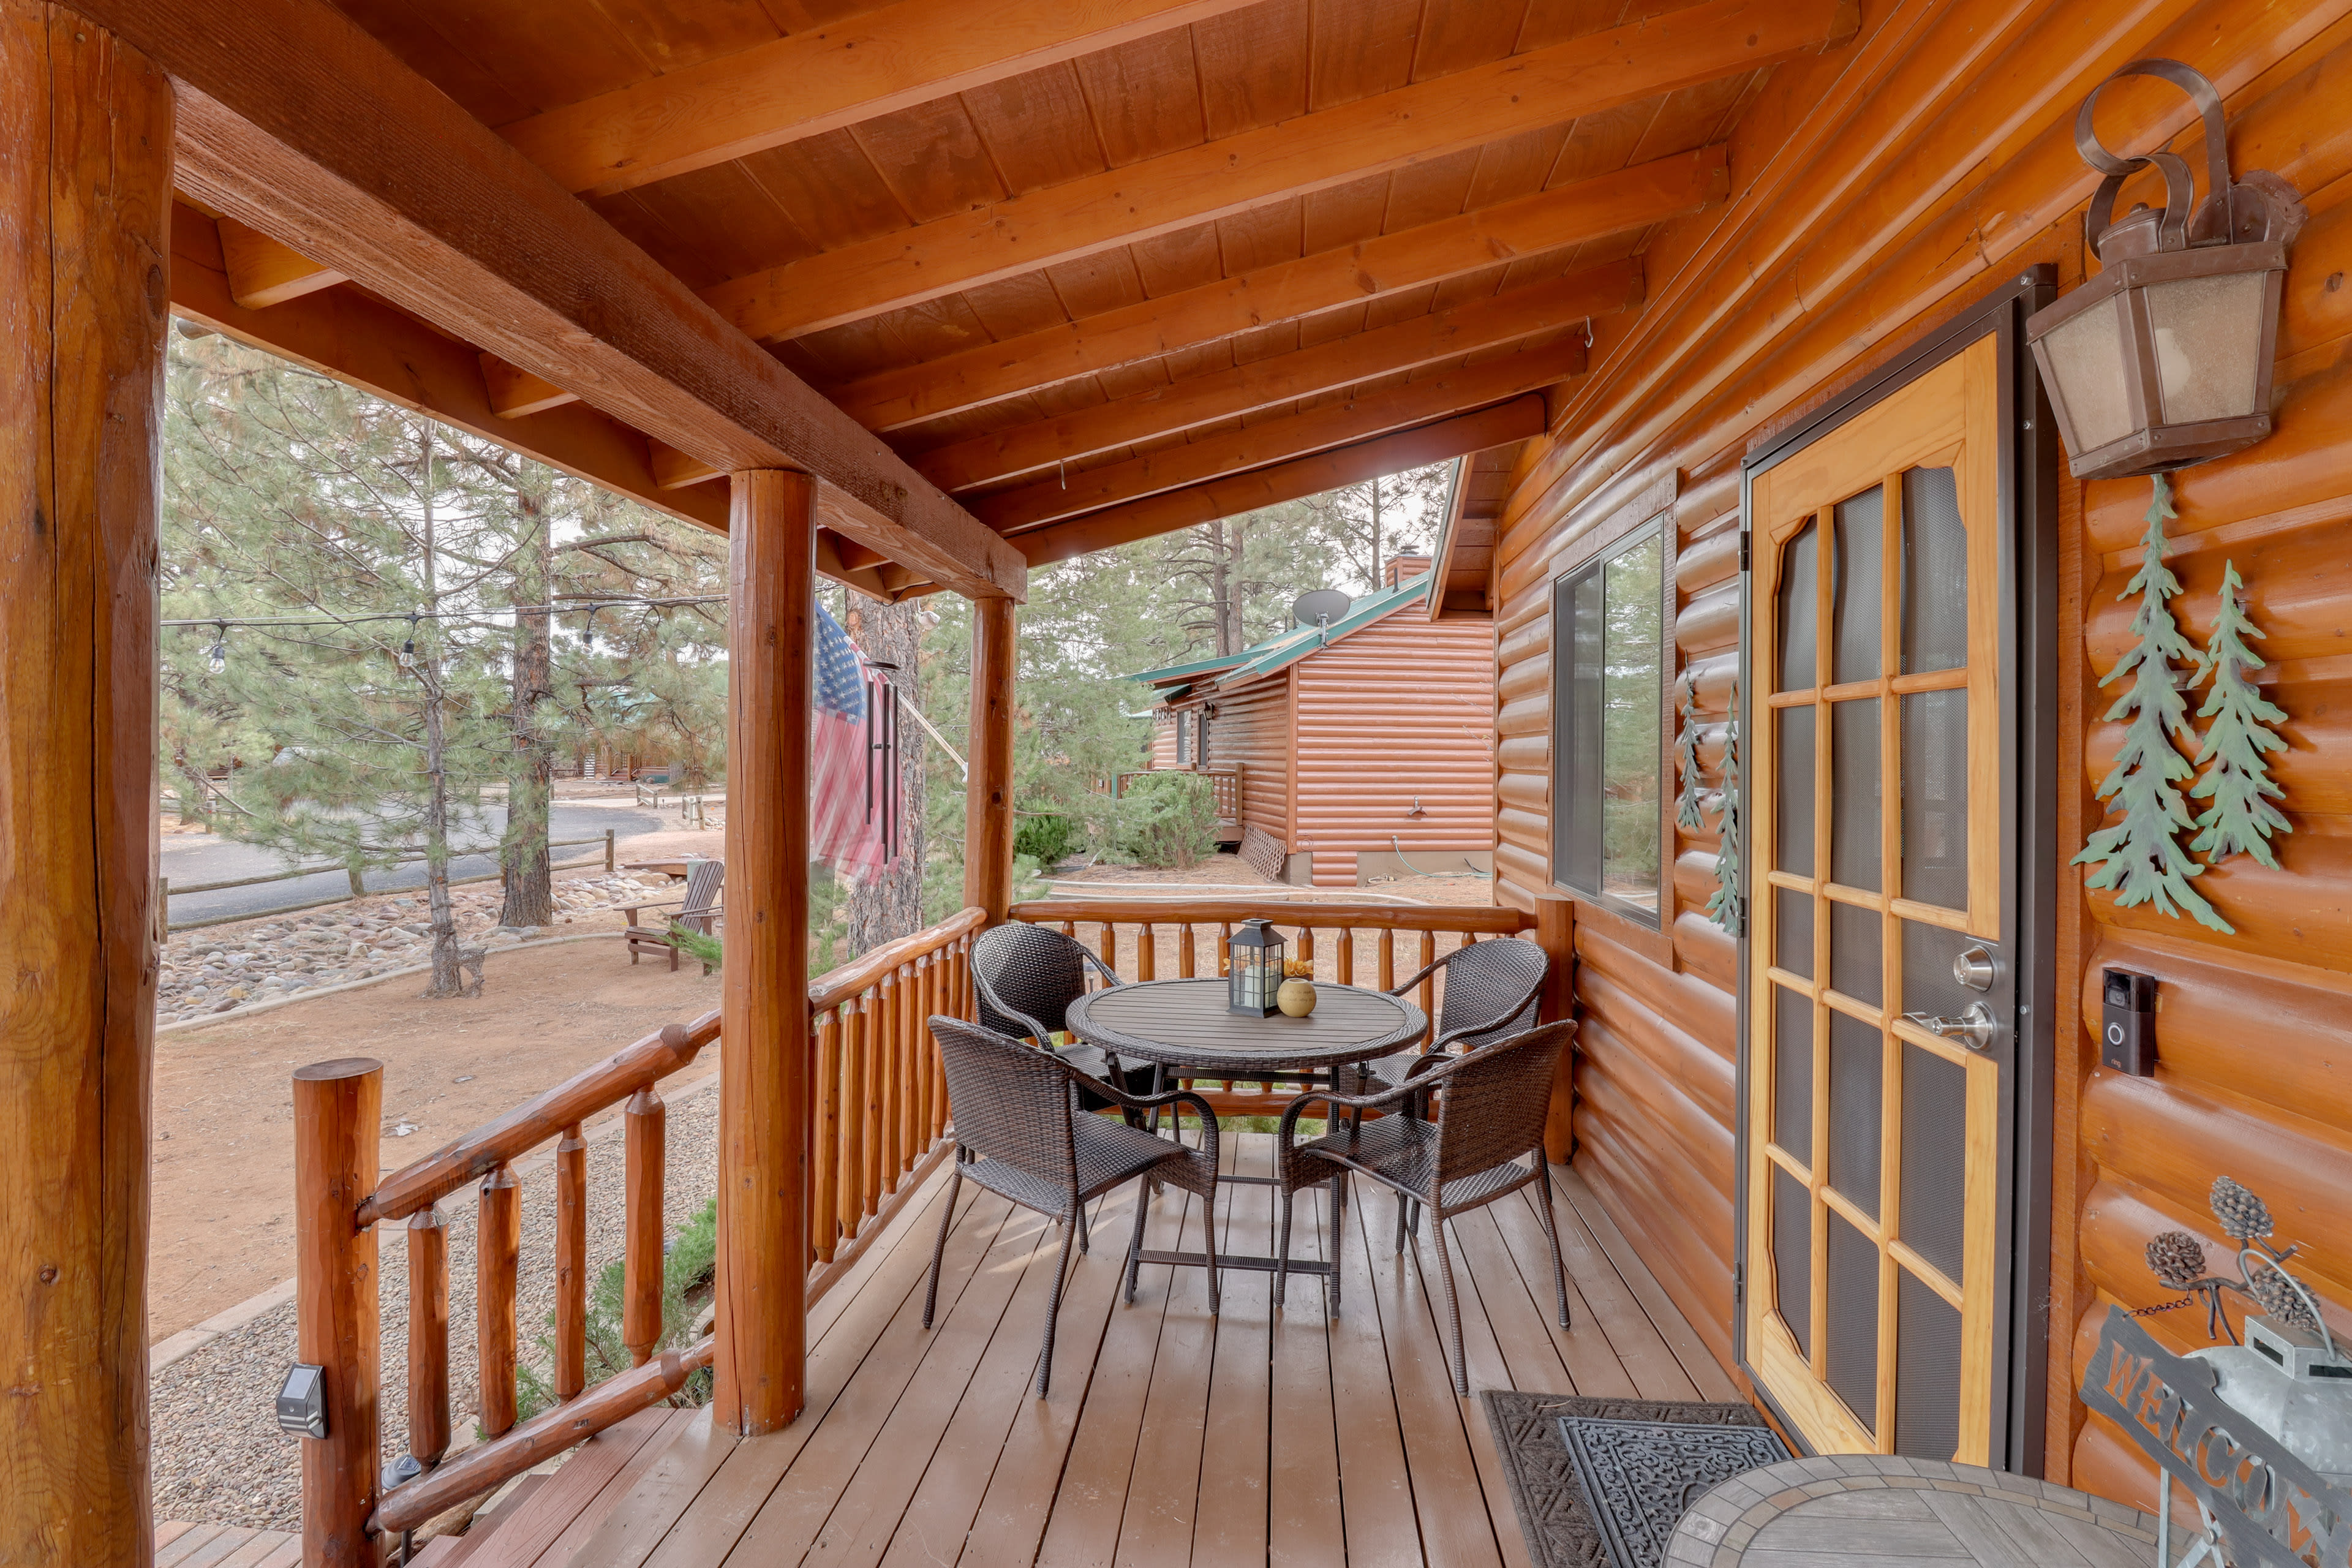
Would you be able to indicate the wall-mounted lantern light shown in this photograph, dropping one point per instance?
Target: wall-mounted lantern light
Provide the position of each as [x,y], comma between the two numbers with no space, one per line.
[2163,359]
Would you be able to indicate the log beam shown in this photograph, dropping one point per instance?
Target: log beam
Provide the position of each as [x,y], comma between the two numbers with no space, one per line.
[1510,317]
[85,204]
[262,272]
[988,792]
[1444,115]
[825,78]
[1513,421]
[764,1040]
[1211,455]
[1328,279]
[516,394]
[294,121]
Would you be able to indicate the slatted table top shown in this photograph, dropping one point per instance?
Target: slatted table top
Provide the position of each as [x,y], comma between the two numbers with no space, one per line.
[1184,1022]
[1854,1511]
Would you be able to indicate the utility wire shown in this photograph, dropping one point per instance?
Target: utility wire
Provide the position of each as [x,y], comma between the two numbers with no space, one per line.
[589,608]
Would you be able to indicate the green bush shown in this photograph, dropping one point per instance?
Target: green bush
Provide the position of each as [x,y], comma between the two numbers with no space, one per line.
[1164,819]
[689,1269]
[1045,837]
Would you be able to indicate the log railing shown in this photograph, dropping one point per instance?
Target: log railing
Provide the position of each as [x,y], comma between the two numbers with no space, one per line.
[877,1115]
[1349,943]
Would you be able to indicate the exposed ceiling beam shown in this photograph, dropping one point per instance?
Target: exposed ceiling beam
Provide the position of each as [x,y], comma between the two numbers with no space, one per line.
[262,272]
[293,120]
[516,394]
[1358,418]
[820,79]
[1406,345]
[1387,131]
[366,343]
[1430,253]
[1238,493]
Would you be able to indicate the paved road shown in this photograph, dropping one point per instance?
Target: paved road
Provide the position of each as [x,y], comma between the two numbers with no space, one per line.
[206,857]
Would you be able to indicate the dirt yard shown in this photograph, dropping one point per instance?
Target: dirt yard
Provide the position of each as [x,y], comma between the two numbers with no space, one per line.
[224,1108]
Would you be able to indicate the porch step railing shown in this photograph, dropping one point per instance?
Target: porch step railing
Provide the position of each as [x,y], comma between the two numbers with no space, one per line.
[878,1111]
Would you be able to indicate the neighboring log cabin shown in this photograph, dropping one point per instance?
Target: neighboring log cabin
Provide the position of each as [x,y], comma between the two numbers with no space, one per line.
[1849,749]
[1356,752]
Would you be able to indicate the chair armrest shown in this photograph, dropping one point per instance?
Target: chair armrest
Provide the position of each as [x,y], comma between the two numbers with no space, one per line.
[1199,1104]
[1110,975]
[1426,971]
[631,910]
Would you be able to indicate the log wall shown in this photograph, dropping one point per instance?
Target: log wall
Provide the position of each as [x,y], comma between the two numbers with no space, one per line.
[1253,729]
[1879,190]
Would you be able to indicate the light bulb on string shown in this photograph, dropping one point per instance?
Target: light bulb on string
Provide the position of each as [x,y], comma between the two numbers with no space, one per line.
[217,654]
[407,654]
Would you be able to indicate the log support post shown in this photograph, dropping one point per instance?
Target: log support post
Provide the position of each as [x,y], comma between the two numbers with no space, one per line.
[338,1131]
[85,207]
[1556,934]
[764,1051]
[987,796]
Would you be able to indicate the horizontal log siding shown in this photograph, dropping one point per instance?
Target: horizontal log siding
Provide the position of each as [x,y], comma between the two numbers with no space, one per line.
[1905,207]
[1163,740]
[1252,728]
[1397,711]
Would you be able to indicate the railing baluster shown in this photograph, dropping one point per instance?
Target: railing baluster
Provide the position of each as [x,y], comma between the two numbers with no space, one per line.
[645,1130]
[498,1254]
[1387,959]
[928,973]
[884,1047]
[823,1167]
[856,1121]
[910,1026]
[428,1335]
[571,1264]
[1224,947]
[1306,943]
[1343,943]
[1428,989]
[1185,957]
[1147,952]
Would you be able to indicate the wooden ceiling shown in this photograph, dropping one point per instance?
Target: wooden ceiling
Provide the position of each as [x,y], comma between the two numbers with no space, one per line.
[1092,267]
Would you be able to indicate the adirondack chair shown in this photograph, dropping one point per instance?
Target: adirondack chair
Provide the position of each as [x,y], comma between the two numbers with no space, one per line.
[698,910]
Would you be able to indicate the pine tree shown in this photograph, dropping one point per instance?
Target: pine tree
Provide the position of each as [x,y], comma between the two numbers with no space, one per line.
[2240,821]
[1688,813]
[883,907]
[1723,908]
[2139,857]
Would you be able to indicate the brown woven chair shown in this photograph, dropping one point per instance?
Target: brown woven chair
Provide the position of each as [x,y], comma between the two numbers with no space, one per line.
[1492,989]
[1024,978]
[1019,1134]
[1486,1143]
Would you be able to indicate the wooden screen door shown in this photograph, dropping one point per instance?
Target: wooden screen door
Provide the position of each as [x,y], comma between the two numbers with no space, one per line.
[1881,991]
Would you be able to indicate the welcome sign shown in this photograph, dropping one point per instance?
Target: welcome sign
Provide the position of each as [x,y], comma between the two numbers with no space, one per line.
[2271,1508]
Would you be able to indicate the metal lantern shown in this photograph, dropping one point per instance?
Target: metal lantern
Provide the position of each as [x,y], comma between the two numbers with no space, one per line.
[2164,358]
[1254,969]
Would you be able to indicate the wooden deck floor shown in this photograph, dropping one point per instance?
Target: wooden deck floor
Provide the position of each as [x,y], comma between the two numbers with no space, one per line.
[179,1544]
[1170,1437]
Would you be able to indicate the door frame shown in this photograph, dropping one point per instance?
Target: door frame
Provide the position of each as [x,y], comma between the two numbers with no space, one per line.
[2028,458]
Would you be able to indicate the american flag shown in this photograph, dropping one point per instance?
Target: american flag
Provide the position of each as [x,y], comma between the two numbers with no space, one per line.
[852,785]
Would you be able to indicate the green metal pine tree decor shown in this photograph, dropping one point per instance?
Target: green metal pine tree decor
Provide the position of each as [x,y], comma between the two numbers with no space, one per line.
[1723,907]
[2239,821]
[1687,811]
[2139,857]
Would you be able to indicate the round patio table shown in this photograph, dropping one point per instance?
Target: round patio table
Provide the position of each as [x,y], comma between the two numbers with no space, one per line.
[1184,1028]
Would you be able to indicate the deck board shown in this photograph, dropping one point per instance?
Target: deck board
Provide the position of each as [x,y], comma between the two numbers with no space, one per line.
[1172,1437]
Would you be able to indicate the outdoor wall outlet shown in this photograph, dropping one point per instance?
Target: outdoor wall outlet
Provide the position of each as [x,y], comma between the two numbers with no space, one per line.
[2128,1022]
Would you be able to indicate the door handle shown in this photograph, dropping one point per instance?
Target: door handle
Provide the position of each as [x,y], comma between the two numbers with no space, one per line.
[1973,1029]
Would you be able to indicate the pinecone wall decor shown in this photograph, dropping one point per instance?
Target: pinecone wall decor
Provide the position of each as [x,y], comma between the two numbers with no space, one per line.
[2178,1260]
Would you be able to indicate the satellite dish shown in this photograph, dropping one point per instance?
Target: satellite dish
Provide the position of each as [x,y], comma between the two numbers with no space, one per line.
[1320,607]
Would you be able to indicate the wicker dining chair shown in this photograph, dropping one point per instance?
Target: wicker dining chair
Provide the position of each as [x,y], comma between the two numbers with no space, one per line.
[1025,977]
[1486,1143]
[1492,989]
[1019,1134]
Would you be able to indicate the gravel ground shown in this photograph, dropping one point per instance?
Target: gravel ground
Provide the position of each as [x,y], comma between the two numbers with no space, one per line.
[219,1458]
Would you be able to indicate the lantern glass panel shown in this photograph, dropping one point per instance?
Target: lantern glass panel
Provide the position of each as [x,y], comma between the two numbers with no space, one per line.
[2086,360]
[2209,335]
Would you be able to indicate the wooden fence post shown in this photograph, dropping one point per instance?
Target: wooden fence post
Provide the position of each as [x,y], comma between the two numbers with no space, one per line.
[338,1127]
[764,1009]
[1556,934]
[988,794]
[85,204]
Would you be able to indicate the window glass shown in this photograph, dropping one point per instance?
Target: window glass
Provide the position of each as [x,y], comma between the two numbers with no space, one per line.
[1609,626]
[1183,738]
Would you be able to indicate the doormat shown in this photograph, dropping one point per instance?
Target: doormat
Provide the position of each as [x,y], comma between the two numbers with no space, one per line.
[1646,1461]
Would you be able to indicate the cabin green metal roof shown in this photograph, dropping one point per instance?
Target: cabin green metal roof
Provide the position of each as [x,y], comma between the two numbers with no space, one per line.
[1280,652]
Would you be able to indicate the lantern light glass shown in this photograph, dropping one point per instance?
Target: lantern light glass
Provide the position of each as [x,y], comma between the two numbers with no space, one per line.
[1254,969]
[2163,358]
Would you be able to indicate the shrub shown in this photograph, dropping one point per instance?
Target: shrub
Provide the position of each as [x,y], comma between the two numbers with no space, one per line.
[1165,819]
[688,1270]
[1044,837]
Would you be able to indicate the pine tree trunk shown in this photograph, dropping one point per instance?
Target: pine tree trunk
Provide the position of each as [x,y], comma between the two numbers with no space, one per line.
[883,907]
[448,973]
[1221,590]
[523,851]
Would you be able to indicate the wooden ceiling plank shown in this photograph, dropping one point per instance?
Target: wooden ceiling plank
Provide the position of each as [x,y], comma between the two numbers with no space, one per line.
[1446,115]
[516,394]
[1353,419]
[294,121]
[1423,339]
[801,85]
[1228,497]
[366,343]
[262,272]
[1633,198]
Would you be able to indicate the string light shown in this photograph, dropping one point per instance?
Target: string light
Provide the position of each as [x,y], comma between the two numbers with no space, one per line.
[412,617]
[407,654]
[217,654]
